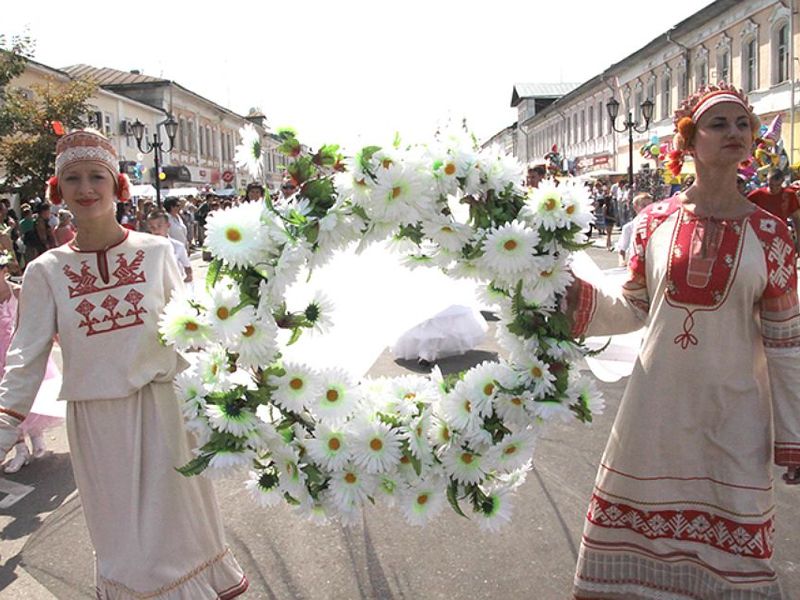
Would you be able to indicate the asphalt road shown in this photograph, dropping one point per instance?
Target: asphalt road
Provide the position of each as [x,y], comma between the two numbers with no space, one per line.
[45,551]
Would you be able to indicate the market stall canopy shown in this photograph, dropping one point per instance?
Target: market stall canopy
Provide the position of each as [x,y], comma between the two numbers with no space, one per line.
[181,191]
[143,190]
[601,173]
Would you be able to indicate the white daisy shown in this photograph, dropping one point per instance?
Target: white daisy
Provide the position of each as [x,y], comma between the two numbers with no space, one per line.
[544,207]
[509,248]
[416,434]
[457,409]
[237,236]
[584,392]
[247,155]
[375,446]
[440,434]
[388,488]
[351,486]
[296,388]
[264,489]
[263,436]
[330,447]
[190,390]
[225,462]
[447,233]
[293,256]
[500,170]
[337,398]
[577,203]
[397,195]
[212,366]
[537,374]
[319,313]
[466,269]
[256,343]
[231,418]
[513,451]
[225,320]
[424,501]
[407,393]
[200,429]
[181,326]
[551,410]
[553,276]
[290,473]
[464,465]
[495,511]
[511,407]
[483,381]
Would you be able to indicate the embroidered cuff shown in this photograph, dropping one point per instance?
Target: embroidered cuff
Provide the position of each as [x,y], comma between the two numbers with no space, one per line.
[585,307]
[787,454]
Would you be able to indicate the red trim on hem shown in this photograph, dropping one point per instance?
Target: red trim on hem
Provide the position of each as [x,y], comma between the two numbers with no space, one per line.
[12,413]
[672,478]
[787,457]
[237,590]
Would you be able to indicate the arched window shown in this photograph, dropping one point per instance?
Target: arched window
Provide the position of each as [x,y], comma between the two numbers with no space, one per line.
[750,56]
[724,59]
[183,140]
[780,52]
[666,94]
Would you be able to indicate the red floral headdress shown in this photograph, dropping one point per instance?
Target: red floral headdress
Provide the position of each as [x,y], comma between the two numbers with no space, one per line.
[690,111]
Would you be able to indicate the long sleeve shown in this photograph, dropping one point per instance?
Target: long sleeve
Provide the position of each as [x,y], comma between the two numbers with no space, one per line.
[173,277]
[26,360]
[780,330]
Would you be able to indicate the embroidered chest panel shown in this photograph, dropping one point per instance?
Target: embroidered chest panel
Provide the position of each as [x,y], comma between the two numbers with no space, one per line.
[108,300]
[704,258]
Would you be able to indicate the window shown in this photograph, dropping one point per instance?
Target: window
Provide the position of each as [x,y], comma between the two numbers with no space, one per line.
[583,125]
[724,66]
[202,141]
[183,139]
[214,151]
[569,131]
[651,89]
[781,54]
[666,95]
[683,84]
[599,119]
[750,64]
[209,150]
[637,109]
[107,124]
[591,122]
[575,130]
[192,136]
[95,120]
[701,74]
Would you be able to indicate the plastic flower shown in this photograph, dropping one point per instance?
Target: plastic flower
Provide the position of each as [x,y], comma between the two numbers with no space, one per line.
[264,488]
[553,278]
[223,316]
[337,397]
[212,366]
[181,325]
[248,154]
[292,477]
[583,391]
[440,434]
[513,451]
[329,448]
[225,461]
[538,374]
[423,501]
[511,407]
[416,435]
[464,465]
[396,196]
[495,511]
[375,446]
[296,388]
[351,486]
[190,390]
[447,233]
[318,313]
[551,410]
[408,392]
[544,207]
[457,409]
[237,235]
[232,418]
[256,342]
[577,204]
[509,248]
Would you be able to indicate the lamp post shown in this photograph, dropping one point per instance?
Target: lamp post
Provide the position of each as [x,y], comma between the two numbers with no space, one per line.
[630,126]
[156,146]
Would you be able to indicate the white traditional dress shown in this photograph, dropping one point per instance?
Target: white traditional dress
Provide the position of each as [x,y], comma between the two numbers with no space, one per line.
[682,506]
[156,533]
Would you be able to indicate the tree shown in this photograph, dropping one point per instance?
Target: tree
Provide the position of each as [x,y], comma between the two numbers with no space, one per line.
[27,139]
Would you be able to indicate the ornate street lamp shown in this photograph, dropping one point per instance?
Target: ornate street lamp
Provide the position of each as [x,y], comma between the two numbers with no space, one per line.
[630,126]
[156,146]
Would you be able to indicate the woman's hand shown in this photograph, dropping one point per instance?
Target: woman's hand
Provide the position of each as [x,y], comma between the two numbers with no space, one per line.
[792,475]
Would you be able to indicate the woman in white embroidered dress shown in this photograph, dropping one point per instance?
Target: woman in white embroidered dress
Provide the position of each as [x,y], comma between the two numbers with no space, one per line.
[682,506]
[156,533]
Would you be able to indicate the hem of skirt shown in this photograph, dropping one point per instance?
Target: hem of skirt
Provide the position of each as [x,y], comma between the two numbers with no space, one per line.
[212,581]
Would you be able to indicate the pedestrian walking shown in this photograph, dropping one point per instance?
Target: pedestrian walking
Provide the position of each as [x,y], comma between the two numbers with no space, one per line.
[156,533]
[683,501]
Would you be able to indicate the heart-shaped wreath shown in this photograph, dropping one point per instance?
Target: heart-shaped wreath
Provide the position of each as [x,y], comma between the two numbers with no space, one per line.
[326,443]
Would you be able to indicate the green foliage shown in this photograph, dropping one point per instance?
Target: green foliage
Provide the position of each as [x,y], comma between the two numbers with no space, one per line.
[452,497]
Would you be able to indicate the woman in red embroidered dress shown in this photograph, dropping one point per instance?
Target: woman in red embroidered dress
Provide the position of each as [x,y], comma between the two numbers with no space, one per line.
[156,534]
[682,506]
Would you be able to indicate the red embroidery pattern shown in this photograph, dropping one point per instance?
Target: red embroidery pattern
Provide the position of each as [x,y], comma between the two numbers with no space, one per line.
[778,253]
[787,454]
[110,317]
[85,282]
[743,539]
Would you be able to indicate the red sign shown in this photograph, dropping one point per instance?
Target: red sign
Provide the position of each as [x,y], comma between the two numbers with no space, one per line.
[601,160]
[227,176]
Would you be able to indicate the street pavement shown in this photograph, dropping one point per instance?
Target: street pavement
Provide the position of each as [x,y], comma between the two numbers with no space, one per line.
[46,554]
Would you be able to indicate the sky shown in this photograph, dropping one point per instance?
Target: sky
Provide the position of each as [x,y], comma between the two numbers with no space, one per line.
[351,72]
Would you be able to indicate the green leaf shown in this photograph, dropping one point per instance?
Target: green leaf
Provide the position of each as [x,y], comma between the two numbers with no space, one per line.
[296,333]
[214,271]
[195,466]
[452,498]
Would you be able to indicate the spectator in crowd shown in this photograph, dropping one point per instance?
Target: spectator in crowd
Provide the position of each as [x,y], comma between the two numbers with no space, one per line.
[187,214]
[158,224]
[255,191]
[778,200]
[65,230]
[177,228]
[535,176]
[625,242]
[200,216]
[40,238]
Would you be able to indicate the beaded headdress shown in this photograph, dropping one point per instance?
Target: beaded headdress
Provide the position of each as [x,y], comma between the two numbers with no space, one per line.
[86,145]
[690,111]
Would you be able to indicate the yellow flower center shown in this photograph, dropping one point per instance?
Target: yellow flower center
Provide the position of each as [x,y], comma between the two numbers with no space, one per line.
[350,478]
[467,405]
[191,326]
[422,498]
[446,434]
[387,162]
[419,430]
[396,191]
[376,445]
[249,331]
[510,450]
[233,235]
[466,458]
[334,444]
[536,372]
[510,245]
[550,204]
[296,383]
[447,229]
[404,459]
[410,396]
[547,273]
[450,169]
[332,395]
[516,401]
[488,389]
[223,313]
[570,209]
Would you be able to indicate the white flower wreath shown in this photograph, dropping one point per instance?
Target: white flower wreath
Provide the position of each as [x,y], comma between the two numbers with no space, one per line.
[325,443]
